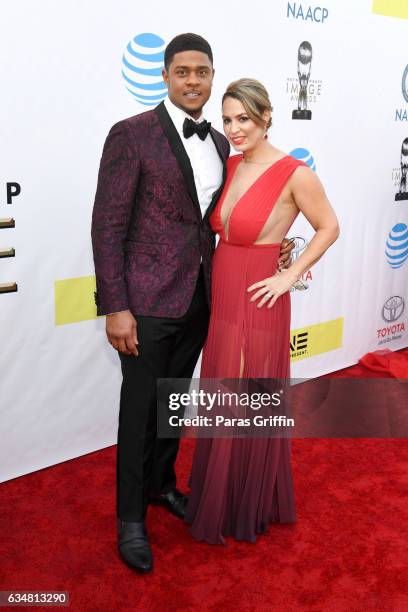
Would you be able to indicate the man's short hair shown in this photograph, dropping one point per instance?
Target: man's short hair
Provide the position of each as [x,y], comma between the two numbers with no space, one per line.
[186,42]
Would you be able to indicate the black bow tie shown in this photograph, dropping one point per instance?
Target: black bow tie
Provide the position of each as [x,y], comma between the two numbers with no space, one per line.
[191,127]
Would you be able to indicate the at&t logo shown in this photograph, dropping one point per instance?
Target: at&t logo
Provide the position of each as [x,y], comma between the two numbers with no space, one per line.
[142,65]
[305,156]
[396,250]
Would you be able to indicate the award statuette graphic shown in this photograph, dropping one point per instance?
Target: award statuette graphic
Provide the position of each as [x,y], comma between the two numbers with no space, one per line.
[8,287]
[7,222]
[304,67]
[403,193]
[7,252]
[405,84]
[300,244]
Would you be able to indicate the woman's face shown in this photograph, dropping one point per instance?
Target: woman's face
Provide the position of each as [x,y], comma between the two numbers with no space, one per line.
[242,132]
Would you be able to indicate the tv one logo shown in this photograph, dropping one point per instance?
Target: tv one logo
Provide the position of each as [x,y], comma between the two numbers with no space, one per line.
[142,65]
[392,310]
[316,339]
[298,344]
[297,10]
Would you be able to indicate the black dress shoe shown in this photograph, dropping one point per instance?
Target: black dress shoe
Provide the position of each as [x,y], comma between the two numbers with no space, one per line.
[134,548]
[174,501]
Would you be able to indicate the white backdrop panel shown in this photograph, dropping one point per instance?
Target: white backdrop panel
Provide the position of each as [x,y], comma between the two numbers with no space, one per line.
[63,89]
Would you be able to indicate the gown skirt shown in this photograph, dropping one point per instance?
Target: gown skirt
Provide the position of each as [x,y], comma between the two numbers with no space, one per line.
[239,486]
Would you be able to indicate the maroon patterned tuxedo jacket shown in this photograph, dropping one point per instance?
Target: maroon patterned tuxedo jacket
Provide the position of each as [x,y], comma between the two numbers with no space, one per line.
[148,233]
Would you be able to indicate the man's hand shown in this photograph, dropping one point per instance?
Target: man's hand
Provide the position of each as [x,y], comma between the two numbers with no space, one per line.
[121,332]
[285,255]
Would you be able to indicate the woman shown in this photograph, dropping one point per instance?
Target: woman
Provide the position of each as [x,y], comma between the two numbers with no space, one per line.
[240,485]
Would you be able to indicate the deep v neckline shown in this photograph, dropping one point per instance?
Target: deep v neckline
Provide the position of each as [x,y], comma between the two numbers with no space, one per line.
[225,227]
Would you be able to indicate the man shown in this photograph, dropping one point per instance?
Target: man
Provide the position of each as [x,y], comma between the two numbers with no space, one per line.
[160,176]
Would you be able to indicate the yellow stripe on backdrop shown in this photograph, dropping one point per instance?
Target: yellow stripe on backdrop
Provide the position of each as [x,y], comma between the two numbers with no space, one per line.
[316,339]
[74,300]
[391,8]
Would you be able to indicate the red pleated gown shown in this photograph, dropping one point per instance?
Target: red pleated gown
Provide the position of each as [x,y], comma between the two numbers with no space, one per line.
[241,485]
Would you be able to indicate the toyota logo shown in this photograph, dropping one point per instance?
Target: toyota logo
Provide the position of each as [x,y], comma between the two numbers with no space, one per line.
[393,308]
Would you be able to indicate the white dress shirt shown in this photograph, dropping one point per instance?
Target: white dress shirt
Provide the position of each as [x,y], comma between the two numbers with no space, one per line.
[205,161]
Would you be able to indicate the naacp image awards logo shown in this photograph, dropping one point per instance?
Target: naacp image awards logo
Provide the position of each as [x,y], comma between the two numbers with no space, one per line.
[306,12]
[302,90]
[401,173]
[142,65]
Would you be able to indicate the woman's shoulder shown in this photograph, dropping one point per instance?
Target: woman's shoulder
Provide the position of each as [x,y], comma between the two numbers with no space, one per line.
[233,160]
[295,161]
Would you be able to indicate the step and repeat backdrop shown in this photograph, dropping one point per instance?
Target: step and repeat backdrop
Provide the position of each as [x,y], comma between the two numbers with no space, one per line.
[337,74]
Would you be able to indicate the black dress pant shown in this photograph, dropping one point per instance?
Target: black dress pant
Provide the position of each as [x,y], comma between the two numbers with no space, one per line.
[168,348]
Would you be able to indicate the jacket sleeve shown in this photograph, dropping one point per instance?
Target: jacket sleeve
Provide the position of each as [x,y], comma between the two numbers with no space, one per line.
[114,202]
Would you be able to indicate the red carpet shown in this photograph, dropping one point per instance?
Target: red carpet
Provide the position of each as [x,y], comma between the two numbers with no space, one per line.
[347,552]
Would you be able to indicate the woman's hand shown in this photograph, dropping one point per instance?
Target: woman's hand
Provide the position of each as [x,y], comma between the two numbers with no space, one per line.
[271,288]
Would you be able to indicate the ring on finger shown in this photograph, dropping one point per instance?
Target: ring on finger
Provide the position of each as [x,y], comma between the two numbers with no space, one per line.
[269,295]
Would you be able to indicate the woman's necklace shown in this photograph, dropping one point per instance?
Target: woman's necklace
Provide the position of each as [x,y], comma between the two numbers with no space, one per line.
[247,161]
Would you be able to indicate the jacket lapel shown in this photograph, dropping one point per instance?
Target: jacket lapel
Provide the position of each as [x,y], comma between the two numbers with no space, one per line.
[216,194]
[179,151]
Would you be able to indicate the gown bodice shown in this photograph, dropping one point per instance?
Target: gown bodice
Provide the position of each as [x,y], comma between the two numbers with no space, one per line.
[251,211]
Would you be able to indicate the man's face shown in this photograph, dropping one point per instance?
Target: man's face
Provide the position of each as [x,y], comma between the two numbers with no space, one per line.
[189,81]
